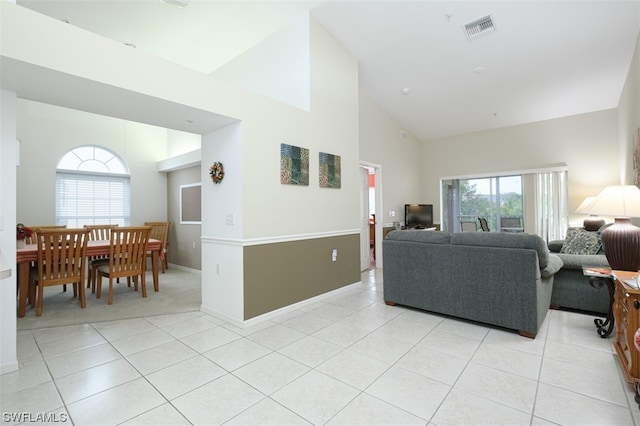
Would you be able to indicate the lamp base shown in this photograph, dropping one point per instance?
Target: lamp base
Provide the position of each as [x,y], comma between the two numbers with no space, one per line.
[621,243]
[593,223]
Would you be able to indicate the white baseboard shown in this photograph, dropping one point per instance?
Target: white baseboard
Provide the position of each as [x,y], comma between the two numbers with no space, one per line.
[281,311]
[9,367]
[183,268]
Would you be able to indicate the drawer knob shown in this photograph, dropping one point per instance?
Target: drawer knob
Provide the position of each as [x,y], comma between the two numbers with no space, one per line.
[636,304]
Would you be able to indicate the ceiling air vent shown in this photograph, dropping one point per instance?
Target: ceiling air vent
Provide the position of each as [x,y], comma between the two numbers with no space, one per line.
[479,27]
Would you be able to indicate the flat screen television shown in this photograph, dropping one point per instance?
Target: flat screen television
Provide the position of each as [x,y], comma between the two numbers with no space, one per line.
[418,215]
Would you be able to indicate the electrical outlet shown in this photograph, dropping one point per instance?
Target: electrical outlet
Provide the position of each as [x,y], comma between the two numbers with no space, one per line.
[219,269]
[334,255]
[194,245]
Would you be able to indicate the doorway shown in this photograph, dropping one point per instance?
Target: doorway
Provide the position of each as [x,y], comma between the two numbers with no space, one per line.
[371,215]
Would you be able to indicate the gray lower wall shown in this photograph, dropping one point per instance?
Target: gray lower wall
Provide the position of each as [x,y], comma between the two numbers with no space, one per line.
[280,274]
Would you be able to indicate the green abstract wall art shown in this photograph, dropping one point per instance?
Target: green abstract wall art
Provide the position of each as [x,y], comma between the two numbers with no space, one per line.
[329,171]
[294,165]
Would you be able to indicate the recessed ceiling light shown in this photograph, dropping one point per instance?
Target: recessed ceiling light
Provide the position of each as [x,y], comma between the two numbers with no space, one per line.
[406,91]
[478,70]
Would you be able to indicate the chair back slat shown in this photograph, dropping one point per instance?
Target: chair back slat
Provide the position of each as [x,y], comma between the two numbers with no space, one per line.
[127,251]
[100,232]
[483,224]
[61,255]
[34,237]
[159,231]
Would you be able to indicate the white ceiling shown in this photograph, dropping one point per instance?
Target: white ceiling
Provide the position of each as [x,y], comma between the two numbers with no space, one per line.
[546,59]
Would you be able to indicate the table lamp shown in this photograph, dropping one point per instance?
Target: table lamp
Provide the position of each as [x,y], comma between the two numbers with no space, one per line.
[621,240]
[593,222]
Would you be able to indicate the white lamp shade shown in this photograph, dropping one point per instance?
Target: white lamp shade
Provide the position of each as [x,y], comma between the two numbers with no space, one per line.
[583,208]
[620,201]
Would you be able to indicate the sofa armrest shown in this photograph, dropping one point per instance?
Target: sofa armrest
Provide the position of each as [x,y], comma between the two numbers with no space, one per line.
[555,246]
[579,261]
[553,265]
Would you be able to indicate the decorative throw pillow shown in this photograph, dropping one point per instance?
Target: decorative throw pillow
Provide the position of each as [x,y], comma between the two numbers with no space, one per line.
[581,241]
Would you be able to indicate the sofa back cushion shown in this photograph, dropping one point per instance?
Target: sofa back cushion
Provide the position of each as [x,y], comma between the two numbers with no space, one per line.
[519,240]
[420,236]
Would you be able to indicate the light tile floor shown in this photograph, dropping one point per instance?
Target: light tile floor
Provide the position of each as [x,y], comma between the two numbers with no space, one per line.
[347,360]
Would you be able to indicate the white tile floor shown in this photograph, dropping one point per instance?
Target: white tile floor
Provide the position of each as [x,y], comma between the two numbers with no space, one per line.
[346,360]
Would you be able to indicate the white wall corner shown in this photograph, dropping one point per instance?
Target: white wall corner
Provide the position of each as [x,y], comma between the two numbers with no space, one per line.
[182,161]
[279,67]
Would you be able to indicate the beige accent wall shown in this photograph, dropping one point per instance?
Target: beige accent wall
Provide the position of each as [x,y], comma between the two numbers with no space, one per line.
[185,246]
[280,274]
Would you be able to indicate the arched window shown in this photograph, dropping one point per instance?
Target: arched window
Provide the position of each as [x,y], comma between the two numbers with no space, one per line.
[92,188]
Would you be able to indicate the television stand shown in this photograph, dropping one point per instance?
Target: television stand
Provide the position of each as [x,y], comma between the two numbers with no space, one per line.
[434,227]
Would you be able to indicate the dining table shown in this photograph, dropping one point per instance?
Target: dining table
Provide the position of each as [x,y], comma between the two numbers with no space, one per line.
[29,253]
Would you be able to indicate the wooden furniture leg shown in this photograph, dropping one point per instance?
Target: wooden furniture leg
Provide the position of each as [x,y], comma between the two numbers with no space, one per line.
[155,263]
[23,281]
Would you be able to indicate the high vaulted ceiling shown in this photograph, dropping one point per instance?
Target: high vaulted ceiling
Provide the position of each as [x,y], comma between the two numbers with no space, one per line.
[545,59]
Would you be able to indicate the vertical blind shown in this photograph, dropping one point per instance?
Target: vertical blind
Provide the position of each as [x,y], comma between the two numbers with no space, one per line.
[92,199]
[552,209]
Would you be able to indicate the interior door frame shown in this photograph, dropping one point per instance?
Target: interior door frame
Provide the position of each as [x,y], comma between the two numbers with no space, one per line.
[377,169]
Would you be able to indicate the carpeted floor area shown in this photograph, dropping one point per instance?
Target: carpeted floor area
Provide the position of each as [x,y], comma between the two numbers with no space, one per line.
[180,291]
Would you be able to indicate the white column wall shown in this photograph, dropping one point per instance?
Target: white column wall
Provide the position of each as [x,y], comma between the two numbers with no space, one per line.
[222,226]
[8,100]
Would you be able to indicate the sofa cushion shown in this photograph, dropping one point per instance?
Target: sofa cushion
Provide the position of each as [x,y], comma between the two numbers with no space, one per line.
[420,236]
[553,265]
[581,241]
[504,239]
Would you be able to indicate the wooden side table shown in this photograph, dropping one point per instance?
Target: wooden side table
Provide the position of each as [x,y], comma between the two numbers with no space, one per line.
[626,310]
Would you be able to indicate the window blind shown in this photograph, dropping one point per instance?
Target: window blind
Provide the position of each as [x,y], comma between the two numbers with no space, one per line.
[92,199]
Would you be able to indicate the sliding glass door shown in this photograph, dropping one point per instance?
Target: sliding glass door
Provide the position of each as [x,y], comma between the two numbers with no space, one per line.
[497,198]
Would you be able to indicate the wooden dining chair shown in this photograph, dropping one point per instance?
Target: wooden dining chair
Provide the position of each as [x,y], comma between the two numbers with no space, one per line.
[160,231]
[32,240]
[97,233]
[62,257]
[127,258]
[34,236]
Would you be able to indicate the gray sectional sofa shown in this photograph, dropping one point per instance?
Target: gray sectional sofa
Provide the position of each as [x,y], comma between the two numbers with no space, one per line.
[502,279]
[571,289]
